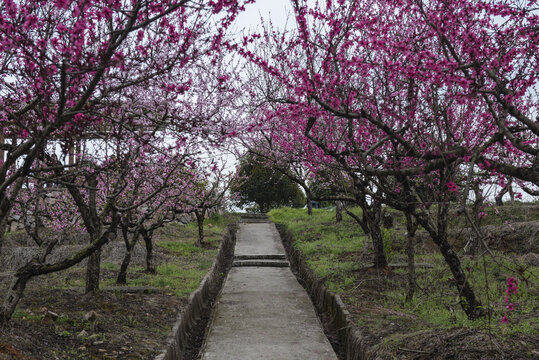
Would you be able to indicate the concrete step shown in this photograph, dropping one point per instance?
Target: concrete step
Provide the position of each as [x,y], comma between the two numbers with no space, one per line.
[260,257]
[261,263]
[254,218]
[254,221]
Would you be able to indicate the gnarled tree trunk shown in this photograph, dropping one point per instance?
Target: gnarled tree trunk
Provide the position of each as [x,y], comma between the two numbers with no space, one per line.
[370,224]
[129,248]
[3,228]
[438,233]
[93,268]
[14,294]
[93,272]
[373,218]
[5,208]
[309,206]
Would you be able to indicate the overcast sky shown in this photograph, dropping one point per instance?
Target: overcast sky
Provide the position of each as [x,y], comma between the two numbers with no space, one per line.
[277,10]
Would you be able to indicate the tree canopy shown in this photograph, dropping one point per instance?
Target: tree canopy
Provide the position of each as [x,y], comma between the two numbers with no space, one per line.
[265,186]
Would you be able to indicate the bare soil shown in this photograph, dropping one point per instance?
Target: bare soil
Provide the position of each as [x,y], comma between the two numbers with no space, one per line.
[128,325]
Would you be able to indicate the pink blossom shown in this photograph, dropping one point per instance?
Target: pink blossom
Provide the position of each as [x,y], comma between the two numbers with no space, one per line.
[451,186]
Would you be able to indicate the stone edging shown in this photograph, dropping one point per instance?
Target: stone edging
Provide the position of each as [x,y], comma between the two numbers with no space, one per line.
[200,299]
[351,345]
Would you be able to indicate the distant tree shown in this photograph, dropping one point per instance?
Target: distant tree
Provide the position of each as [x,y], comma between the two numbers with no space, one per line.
[265,186]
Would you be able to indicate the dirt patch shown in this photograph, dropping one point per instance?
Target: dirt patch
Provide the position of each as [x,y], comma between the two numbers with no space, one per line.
[518,238]
[461,344]
[121,327]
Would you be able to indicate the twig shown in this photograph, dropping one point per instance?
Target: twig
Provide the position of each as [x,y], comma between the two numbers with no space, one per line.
[416,351]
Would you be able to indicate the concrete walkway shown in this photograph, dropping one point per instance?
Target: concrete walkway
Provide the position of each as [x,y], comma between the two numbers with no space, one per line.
[263,312]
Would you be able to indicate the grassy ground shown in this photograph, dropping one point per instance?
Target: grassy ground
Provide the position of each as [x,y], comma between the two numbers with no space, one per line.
[131,323]
[432,325]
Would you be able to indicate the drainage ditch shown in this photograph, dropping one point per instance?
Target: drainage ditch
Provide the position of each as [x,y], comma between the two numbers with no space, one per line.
[189,330]
[344,336]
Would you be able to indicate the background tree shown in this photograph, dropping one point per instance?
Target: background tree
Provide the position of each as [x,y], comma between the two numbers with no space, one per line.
[266,187]
[208,193]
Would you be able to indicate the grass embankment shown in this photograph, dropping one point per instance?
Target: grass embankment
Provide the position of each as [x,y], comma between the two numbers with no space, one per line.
[128,325]
[432,325]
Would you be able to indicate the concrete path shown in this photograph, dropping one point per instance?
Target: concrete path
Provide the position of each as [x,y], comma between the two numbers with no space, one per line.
[263,312]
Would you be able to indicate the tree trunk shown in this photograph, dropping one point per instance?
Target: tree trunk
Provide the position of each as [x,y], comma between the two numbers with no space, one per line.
[498,198]
[5,207]
[338,211]
[366,243]
[373,217]
[468,302]
[122,274]
[309,206]
[472,246]
[411,227]
[379,260]
[150,267]
[129,248]
[93,270]
[200,221]
[3,228]
[12,298]
[470,305]
[511,192]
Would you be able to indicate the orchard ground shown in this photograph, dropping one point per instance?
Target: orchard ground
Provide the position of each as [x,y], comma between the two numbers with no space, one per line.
[432,325]
[134,324]
[131,322]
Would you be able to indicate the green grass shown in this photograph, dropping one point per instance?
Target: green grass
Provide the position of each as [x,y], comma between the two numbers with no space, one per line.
[22,314]
[174,278]
[183,274]
[110,266]
[180,248]
[325,243]
[332,252]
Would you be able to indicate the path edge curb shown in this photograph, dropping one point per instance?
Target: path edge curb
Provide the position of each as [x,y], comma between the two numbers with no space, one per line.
[351,345]
[200,299]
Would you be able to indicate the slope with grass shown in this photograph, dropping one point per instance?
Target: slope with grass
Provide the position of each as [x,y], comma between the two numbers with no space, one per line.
[432,325]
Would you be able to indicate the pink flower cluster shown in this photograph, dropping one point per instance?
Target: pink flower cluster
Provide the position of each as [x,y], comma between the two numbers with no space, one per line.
[451,186]
[512,289]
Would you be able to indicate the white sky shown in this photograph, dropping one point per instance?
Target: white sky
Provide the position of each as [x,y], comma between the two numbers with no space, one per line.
[276,10]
